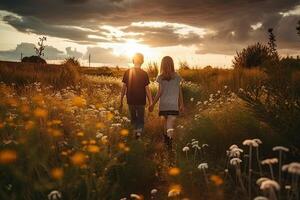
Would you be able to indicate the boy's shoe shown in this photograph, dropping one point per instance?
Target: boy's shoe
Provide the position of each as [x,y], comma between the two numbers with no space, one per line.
[138,133]
[168,142]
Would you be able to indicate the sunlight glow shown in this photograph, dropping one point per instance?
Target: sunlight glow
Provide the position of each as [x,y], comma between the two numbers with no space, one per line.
[131,47]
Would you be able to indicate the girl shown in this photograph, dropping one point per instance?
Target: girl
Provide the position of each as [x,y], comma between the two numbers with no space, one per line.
[170,97]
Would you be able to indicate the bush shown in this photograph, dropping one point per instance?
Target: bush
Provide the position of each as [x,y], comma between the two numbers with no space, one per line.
[34,59]
[71,61]
[152,69]
[252,56]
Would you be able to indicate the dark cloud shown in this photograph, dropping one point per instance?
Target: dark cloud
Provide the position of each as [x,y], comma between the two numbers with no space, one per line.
[106,56]
[162,36]
[58,18]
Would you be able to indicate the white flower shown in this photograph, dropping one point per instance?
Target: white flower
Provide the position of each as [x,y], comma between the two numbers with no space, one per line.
[269,184]
[258,141]
[173,193]
[269,161]
[288,187]
[235,161]
[204,145]
[261,179]
[225,86]
[135,196]
[203,166]
[249,142]
[260,198]
[54,195]
[192,99]
[280,148]
[236,152]
[154,191]
[293,168]
[99,135]
[185,149]
[233,146]
[170,132]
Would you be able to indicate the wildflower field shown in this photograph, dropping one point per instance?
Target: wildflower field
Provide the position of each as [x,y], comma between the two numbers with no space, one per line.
[238,139]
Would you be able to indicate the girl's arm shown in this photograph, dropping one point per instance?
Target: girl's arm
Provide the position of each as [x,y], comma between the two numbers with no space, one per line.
[181,104]
[156,98]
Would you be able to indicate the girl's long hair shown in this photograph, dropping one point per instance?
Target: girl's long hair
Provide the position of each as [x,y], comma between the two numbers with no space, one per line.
[167,70]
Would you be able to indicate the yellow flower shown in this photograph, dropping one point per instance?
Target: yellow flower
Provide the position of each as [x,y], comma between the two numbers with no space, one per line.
[78,158]
[121,145]
[40,113]
[84,142]
[124,132]
[57,173]
[80,134]
[92,141]
[100,125]
[78,101]
[24,109]
[109,116]
[217,180]
[56,133]
[8,156]
[38,99]
[29,125]
[93,148]
[56,122]
[12,102]
[174,171]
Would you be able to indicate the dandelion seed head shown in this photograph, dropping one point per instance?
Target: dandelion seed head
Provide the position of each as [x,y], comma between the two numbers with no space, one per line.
[261,179]
[235,161]
[280,148]
[269,184]
[269,161]
[54,195]
[203,166]
[185,149]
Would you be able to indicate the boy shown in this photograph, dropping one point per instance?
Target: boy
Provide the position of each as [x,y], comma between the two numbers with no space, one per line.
[135,86]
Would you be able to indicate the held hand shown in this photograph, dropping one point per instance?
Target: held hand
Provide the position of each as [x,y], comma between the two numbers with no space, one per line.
[151,108]
[181,108]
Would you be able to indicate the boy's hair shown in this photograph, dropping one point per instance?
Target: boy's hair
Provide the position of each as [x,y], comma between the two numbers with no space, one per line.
[138,58]
[167,70]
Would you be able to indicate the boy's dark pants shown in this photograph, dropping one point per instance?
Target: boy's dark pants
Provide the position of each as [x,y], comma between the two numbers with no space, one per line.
[137,116]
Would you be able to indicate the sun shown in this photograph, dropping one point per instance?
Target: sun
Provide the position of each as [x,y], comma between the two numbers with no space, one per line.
[130,47]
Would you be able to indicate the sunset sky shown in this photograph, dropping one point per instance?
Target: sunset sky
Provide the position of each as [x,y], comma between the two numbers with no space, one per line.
[201,32]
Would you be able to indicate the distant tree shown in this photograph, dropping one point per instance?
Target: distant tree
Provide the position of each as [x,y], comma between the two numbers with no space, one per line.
[272,45]
[41,47]
[298,28]
[252,56]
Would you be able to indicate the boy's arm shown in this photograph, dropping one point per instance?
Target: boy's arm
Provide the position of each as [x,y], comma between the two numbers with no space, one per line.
[123,92]
[149,95]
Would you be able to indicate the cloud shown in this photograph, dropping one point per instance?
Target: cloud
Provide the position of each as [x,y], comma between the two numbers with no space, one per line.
[77,19]
[105,56]
[73,53]
[27,49]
